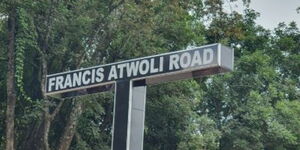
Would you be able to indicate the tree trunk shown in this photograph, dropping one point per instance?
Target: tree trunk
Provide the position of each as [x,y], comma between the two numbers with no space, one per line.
[47,116]
[38,139]
[11,84]
[45,129]
[70,128]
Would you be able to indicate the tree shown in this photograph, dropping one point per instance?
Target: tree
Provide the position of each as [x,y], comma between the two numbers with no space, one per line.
[11,83]
[243,103]
[254,107]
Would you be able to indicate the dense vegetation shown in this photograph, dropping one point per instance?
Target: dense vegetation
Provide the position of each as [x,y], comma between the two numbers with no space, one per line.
[255,107]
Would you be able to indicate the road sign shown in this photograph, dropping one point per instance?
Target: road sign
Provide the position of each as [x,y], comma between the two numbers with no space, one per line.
[130,79]
[209,59]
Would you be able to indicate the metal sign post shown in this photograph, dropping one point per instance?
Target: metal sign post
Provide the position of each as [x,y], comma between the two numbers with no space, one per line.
[129,115]
[131,78]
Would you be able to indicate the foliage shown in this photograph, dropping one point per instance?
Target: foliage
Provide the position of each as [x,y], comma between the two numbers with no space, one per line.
[94,130]
[255,107]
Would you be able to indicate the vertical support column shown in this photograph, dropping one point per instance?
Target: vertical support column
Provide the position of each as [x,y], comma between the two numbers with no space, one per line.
[129,115]
[137,115]
[121,110]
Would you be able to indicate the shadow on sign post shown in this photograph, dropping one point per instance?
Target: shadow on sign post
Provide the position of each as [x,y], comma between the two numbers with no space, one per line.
[130,79]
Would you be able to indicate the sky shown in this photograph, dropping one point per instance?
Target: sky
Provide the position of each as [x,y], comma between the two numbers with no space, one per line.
[272,12]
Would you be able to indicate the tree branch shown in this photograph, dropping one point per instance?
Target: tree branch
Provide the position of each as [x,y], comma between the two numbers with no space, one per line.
[57,109]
